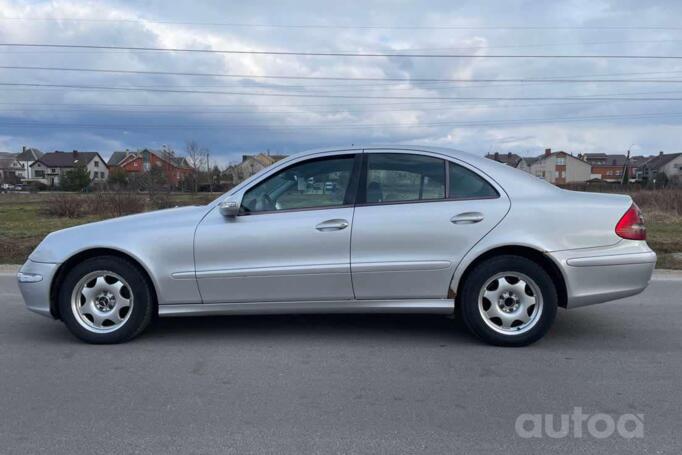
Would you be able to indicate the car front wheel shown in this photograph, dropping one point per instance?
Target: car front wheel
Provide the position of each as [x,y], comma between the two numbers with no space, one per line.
[105,300]
[508,301]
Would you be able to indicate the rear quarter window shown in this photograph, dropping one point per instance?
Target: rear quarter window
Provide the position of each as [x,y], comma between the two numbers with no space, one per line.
[466,184]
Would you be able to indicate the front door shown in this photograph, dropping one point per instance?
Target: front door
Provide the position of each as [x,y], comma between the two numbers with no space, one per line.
[290,242]
[417,216]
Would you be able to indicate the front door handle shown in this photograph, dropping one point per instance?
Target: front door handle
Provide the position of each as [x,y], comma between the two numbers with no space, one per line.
[467,218]
[332,225]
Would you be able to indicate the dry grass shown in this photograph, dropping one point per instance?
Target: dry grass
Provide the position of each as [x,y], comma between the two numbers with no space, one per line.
[64,205]
[111,205]
[25,219]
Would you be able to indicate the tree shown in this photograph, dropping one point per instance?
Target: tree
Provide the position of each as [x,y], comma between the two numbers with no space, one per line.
[196,158]
[76,179]
[118,178]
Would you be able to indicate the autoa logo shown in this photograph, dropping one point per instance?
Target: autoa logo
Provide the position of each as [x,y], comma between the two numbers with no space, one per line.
[579,424]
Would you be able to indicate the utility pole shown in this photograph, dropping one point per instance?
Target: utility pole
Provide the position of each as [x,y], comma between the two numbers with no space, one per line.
[208,172]
[625,169]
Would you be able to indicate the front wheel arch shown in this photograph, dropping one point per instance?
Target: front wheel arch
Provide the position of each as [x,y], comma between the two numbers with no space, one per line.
[534,255]
[70,263]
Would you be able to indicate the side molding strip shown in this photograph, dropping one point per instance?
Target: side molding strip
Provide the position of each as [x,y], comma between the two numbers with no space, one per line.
[433,306]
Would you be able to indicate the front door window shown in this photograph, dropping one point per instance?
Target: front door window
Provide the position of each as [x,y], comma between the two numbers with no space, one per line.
[317,183]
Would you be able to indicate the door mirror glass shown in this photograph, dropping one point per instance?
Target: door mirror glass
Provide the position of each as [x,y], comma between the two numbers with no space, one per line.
[229,207]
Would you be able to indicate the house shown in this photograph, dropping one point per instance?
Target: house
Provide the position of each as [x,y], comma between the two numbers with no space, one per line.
[559,168]
[51,167]
[250,165]
[27,157]
[610,168]
[526,162]
[555,167]
[174,168]
[510,159]
[669,164]
[9,168]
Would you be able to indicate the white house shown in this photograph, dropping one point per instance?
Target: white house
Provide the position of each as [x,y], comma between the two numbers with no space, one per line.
[50,168]
[27,157]
[560,168]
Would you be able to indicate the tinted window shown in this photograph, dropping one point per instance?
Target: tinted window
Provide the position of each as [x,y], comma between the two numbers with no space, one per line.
[395,177]
[466,184]
[314,183]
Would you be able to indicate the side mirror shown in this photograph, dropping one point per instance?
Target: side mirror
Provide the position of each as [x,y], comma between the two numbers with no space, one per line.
[229,208]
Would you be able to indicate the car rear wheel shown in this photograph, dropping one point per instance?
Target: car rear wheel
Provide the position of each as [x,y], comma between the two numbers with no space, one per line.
[508,301]
[105,300]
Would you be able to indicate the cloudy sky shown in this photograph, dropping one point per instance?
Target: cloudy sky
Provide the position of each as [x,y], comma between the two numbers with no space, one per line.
[240,103]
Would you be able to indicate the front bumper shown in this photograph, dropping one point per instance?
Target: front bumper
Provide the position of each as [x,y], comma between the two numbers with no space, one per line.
[596,275]
[35,280]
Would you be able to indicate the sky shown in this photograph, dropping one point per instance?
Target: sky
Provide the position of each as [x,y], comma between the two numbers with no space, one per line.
[230,108]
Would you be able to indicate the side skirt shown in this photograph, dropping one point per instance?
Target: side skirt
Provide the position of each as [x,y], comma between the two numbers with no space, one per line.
[432,306]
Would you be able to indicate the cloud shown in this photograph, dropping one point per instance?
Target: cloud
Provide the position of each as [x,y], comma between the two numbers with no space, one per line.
[64,119]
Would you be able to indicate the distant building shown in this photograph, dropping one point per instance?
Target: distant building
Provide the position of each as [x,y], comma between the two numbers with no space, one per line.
[51,167]
[250,165]
[9,168]
[526,162]
[555,167]
[27,157]
[610,168]
[175,168]
[510,159]
[669,164]
[560,168]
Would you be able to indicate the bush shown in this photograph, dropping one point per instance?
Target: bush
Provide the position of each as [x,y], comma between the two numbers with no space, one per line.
[116,204]
[65,205]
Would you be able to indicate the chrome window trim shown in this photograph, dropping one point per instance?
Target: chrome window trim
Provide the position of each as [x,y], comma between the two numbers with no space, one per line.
[246,185]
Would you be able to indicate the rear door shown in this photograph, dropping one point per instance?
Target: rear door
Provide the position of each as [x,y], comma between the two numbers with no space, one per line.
[417,215]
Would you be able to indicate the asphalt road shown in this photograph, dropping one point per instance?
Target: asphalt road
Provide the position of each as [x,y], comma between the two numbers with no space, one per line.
[332,384]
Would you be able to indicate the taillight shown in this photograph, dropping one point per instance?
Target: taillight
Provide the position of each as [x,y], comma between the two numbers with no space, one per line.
[631,225]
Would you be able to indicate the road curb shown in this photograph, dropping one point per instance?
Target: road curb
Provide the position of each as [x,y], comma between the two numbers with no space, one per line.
[667,274]
[9,268]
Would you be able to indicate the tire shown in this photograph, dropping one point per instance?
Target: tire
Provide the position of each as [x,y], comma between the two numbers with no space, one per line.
[508,301]
[105,300]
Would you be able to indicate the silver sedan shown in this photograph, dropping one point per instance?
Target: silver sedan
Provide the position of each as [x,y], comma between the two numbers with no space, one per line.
[391,229]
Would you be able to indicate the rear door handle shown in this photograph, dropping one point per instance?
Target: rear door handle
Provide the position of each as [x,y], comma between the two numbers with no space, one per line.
[467,218]
[332,225]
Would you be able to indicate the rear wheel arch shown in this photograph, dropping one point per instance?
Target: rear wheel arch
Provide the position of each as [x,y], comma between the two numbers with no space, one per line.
[79,257]
[534,255]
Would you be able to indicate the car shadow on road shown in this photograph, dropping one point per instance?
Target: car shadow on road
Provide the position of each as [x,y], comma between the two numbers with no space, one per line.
[341,326]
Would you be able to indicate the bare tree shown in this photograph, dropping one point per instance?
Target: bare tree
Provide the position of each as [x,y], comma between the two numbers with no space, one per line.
[196,158]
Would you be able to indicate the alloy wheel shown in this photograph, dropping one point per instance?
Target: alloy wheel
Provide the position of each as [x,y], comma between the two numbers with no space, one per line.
[510,303]
[102,301]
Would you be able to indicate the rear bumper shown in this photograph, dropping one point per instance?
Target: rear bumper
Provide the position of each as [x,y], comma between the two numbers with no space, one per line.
[596,275]
[35,280]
